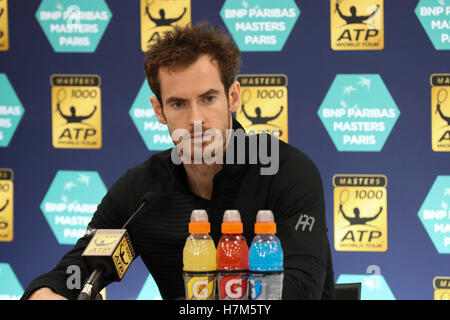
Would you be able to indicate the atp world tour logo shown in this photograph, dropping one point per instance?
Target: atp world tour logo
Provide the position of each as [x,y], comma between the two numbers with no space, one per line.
[4,28]
[357,24]
[6,205]
[76,111]
[441,288]
[360,213]
[440,112]
[264,104]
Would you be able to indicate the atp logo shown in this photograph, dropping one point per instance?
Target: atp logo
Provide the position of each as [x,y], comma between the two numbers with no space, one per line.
[440,112]
[122,254]
[4,28]
[76,111]
[360,212]
[159,17]
[103,243]
[233,287]
[6,205]
[357,25]
[264,104]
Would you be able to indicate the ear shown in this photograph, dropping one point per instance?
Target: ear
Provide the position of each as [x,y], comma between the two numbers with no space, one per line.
[157,107]
[234,96]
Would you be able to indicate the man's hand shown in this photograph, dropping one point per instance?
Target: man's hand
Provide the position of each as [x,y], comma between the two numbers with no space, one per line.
[45,294]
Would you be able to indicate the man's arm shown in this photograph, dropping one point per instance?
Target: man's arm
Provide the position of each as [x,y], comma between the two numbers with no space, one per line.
[3,208]
[110,214]
[147,11]
[376,216]
[89,115]
[58,108]
[245,113]
[177,19]
[373,13]
[275,116]
[343,213]
[45,293]
[298,205]
[442,114]
[56,279]
[340,13]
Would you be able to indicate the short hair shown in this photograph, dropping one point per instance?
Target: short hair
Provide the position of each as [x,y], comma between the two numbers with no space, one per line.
[181,47]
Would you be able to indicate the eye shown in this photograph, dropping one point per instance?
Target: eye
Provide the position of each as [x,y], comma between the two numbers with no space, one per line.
[177,104]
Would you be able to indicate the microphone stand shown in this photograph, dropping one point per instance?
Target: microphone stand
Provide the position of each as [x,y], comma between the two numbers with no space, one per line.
[90,288]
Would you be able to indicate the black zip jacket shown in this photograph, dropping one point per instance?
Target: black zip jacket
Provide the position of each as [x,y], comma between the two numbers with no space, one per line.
[158,233]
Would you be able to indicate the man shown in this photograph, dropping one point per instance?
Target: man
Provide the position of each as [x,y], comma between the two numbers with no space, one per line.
[192,72]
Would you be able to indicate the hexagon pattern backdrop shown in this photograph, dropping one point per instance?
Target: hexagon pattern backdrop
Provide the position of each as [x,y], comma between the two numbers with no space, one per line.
[361,105]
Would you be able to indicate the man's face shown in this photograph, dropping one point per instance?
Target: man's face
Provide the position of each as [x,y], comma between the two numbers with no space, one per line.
[196,95]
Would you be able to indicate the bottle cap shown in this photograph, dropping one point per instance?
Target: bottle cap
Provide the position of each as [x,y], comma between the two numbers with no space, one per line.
[232,222]
[265,222]
[199,222]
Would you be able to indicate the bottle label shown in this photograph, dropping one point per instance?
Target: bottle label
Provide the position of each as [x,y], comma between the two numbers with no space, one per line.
[200,287]
[266,286]
[233,286]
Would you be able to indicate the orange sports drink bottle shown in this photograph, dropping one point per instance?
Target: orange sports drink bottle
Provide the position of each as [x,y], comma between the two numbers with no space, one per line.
[199,259]
[232,259]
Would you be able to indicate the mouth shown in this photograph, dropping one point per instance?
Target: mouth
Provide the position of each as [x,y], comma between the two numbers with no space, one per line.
[199,137]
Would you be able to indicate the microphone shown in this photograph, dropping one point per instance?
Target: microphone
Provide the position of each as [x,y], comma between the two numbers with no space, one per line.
[109,254]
